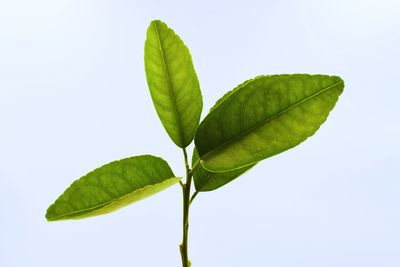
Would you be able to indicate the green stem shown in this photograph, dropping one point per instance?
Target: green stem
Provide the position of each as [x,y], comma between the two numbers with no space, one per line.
[186,205]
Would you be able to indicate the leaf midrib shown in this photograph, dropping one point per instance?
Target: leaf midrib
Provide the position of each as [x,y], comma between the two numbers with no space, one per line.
[171,91]
[258,125]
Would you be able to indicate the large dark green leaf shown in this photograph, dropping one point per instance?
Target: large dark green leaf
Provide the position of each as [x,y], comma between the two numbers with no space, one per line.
[263,117]
[173,83]
[207,181]
[112,186]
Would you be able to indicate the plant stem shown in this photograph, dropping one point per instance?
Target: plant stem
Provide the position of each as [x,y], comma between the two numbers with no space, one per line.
[186,205]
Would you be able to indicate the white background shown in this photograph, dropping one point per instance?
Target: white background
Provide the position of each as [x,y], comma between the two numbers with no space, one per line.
[73,96]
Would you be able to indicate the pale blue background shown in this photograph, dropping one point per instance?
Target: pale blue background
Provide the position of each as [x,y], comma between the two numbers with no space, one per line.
[73,96]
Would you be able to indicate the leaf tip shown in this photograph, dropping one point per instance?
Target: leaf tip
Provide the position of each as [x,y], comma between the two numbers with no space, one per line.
[338,79]
[157,22]
[49,216]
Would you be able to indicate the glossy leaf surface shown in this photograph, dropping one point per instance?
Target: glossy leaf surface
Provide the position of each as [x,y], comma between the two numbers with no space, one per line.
[173,83]
[205,180]
[263,117]
[113,186]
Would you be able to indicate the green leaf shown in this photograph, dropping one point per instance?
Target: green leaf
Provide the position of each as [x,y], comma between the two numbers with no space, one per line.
[263,117]
[173,83]
[207,181]
[112,186]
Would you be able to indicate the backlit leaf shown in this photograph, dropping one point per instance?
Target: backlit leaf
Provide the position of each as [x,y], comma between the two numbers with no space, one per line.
[112,186]
[263,117]
[173,83]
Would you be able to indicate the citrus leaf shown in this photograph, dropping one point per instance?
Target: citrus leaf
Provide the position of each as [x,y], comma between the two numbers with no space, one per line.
[173,83]
[263,117]
[205,180]
[112,186]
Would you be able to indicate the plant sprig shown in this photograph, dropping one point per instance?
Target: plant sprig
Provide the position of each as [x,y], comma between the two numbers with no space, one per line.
[260,118]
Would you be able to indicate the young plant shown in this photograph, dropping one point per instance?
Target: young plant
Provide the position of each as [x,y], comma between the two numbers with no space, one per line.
[258,119]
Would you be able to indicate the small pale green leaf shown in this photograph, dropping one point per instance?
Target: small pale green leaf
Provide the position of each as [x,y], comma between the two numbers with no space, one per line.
[173,83]
[113,186]
[263,117]
[205,180]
